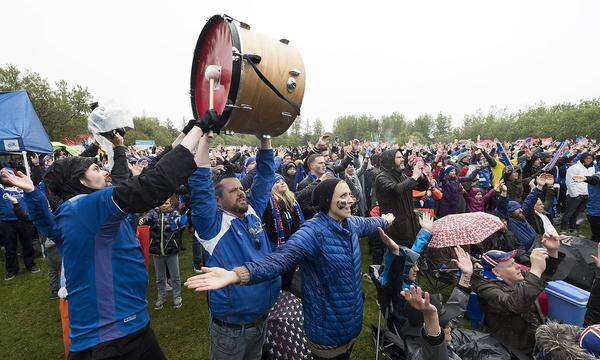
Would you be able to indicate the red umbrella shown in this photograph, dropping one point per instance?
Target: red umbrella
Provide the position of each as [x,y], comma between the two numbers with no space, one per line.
[463,229]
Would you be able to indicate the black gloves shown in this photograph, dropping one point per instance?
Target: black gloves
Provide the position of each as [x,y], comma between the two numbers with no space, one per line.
[208,122]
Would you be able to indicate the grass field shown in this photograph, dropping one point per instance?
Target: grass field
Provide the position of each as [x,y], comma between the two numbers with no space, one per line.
[30,324]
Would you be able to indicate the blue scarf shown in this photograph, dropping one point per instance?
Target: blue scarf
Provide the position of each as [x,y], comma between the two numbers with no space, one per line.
[277,217]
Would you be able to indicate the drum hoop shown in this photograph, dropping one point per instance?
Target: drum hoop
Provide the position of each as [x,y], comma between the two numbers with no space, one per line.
[236,69]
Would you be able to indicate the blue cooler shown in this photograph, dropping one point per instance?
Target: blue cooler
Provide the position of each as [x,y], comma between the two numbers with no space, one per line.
[474,312]
[566,303]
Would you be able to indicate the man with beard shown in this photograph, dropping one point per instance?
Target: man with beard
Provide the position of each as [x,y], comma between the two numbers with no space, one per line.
[393,190]
[228,225]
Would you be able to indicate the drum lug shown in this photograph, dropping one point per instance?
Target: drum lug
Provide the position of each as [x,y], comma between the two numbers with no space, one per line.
[291,85]
[286,114]
[295,72]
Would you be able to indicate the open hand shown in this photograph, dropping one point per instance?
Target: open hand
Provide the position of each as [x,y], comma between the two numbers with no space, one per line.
[19,180]
[463,261]
[389,218]
[426,222]
[211,279]
[414,296]
[578,178]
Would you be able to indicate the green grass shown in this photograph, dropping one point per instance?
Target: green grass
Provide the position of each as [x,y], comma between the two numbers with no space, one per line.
[30,323]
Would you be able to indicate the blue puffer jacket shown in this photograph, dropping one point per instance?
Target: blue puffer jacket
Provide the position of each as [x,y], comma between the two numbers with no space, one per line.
[230,241]
[329,257]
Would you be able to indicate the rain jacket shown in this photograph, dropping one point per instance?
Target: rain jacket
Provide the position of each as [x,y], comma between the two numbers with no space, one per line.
[393,190]
[230,241]
[163,232]
[329,257]
[452,190]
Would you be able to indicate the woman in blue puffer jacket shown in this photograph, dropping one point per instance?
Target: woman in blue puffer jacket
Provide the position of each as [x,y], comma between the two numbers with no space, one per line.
[327,250]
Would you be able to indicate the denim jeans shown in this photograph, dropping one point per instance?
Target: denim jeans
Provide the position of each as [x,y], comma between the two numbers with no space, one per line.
[161,263]
[53,261]
[236,343]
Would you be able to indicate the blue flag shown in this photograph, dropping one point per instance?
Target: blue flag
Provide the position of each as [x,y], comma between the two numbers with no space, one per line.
[560,152]
[502,155]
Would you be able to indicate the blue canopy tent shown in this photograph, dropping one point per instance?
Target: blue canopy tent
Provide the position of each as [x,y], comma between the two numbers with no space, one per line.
[20,127]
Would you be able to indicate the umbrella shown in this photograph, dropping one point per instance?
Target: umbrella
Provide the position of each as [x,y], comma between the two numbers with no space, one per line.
[70,149]
[463,229]
[285,334]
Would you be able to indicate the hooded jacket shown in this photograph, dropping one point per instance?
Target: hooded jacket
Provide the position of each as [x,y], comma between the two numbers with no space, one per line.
[475,204]
[393,190]
[514,187]
[105,273]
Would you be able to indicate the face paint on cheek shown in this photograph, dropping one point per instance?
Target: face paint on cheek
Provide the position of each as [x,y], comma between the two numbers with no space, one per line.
[341,204]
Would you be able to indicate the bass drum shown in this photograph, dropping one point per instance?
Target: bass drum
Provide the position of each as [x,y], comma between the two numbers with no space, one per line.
[245,103]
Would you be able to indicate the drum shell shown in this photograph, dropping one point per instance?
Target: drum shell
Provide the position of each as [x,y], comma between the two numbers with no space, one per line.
[270,115]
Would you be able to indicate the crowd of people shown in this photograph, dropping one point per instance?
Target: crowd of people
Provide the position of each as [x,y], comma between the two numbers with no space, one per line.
[289,220]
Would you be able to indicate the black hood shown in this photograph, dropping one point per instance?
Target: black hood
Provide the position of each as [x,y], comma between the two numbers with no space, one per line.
[388,160]
[63,176]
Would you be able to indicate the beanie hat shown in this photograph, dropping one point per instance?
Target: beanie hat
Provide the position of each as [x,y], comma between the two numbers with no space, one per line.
[323,193]
[512,206]
[277,178]
[590,339]
[448,169]
[62,178]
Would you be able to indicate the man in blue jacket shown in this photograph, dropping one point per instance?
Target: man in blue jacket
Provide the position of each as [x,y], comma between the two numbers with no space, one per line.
[105,273]
[228,225]
[327,249]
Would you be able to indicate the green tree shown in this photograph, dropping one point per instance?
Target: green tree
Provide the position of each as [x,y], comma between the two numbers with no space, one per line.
[62,109]
[442,128]
[423,125]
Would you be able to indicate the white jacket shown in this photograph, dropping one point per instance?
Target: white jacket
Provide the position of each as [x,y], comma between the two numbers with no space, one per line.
[575,189]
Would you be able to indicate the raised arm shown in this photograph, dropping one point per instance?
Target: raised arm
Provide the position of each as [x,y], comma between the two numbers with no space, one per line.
[151,188]
[264,179]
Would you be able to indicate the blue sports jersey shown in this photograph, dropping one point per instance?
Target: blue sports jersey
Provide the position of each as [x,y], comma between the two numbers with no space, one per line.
[105,273]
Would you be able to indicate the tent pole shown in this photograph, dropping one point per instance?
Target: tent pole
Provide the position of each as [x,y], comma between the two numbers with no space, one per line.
[26,163]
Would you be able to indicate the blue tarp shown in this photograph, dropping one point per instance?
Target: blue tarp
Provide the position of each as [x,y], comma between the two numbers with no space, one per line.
[20,127]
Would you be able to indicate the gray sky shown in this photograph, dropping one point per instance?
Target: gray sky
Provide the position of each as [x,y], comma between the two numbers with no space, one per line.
[373,57]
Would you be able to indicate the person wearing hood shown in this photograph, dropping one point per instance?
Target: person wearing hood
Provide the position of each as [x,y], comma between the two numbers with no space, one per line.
[393,190]
[507,294]
[352,177]
[514,182]
[105,272]
[577,192]
[476,200]
[288,171]
[327,250]
[451,186]
[428,329]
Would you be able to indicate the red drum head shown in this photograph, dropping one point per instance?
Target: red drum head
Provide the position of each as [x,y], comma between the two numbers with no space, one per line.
[214,47]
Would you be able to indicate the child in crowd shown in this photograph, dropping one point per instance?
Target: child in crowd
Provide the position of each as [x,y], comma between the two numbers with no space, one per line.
[164,246]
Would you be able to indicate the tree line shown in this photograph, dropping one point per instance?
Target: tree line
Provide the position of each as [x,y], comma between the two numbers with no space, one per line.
[63,110]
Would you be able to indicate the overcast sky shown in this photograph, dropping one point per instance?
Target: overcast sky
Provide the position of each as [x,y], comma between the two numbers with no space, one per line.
[373,57]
